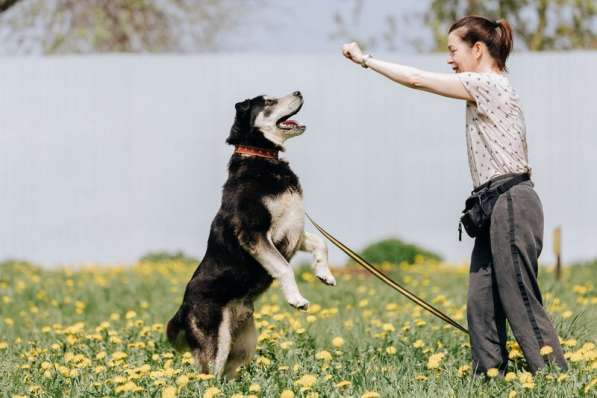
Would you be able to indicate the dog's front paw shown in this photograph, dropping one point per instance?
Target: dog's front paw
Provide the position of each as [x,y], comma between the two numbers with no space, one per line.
[326,277]
[299,303]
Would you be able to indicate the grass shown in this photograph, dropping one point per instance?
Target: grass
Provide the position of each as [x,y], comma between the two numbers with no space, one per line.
[98,332]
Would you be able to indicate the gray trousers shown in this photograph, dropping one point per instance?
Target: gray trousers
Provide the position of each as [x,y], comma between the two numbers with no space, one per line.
[503,285]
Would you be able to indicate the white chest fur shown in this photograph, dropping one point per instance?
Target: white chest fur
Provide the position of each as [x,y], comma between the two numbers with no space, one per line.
[288,217]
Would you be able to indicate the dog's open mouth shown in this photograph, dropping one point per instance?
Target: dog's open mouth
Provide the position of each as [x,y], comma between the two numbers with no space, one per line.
[285,123]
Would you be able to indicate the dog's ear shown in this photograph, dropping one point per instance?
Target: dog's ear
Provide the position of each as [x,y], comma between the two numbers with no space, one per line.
[242,107]
[241,122]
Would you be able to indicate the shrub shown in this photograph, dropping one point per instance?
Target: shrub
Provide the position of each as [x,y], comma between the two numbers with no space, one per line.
[163,255]
[395,251]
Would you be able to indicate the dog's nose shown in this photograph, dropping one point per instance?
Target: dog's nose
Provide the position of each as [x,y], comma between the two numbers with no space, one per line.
[297,94]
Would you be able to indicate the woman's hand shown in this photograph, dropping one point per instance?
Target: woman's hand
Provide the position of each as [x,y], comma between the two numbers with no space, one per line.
[353,52]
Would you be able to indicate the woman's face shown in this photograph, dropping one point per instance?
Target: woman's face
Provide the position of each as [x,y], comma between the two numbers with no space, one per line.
[460,54]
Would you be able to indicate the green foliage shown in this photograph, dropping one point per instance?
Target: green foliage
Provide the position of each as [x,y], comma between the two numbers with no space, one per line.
[163,256]
[395,251]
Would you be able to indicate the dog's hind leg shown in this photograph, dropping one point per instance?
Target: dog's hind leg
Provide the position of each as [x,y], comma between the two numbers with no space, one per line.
[244,342]
[315,245]
[224,341]
[203,345]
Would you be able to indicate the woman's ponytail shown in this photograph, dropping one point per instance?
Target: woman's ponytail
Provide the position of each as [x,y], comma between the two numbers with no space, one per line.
[503,42]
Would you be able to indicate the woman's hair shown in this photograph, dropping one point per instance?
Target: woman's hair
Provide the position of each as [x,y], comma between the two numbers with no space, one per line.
[497,36]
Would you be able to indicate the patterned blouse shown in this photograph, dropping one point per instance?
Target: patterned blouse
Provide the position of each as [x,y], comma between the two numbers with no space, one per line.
[495,128]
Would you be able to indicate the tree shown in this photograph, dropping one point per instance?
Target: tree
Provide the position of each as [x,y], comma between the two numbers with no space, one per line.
[539,24]
[75,26]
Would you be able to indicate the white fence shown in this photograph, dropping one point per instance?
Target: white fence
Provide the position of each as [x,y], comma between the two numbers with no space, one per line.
[104,158]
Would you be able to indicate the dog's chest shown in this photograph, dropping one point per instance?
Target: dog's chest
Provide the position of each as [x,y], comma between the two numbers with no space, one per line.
[288,218]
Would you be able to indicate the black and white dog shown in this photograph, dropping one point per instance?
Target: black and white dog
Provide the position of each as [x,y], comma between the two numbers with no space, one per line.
[257,230]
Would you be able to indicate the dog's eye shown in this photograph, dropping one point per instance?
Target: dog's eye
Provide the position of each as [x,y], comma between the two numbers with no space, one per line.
[269,102]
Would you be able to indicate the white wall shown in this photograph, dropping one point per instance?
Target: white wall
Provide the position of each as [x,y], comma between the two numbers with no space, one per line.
[103,158]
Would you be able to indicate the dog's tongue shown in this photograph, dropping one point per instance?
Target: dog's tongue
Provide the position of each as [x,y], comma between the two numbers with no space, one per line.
[289,122]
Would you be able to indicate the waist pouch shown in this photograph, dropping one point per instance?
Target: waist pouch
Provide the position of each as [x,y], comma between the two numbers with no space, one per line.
[476,215]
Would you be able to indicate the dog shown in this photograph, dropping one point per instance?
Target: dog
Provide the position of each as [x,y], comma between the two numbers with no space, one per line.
[257,230]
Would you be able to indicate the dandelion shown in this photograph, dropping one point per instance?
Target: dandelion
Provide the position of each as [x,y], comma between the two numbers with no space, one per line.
[130,315]
[254,388]
[512,394]
[492,372]
[307,381]
[419,344]
[435,360]
[370,394]
[337,342]
[420,377]
[391,350]
[182,380]
[324,355]
[545,350]
[510,376]
[169,392]
[3,345]
[463,370]
[128,387]
[343,384]
[287,394]
[211,392]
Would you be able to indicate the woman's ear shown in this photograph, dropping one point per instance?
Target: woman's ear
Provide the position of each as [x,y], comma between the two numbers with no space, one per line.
[477,50]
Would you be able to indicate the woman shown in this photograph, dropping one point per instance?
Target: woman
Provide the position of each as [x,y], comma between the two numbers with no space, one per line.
[503,275]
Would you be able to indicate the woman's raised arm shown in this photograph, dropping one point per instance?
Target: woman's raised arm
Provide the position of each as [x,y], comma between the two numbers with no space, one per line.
[445,84]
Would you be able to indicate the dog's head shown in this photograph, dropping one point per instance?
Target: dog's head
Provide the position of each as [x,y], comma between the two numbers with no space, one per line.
[265,121]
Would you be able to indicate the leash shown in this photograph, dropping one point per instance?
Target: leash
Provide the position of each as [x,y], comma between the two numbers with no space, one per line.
[386,279]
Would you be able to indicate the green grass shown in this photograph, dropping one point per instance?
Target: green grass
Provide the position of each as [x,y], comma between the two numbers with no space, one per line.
[56,327]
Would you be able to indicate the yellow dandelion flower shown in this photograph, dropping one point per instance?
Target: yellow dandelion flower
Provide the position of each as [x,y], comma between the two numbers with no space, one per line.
[343,383]
[492,372]
[182,380]
[130,315]
[435,360]
[287,394]
[510,376]
[3,345]
[420,377]
[263,361]
[337,342]
[562,377]
[128,387]
[324,355]
[254,387]
[211,392]
[463,370]
[391,350]
[419,344]
[307,380]
[370,394]
[169,392]
[545,350]
[512,394]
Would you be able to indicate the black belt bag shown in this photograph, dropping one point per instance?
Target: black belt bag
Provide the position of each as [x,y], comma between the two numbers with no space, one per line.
[476,215]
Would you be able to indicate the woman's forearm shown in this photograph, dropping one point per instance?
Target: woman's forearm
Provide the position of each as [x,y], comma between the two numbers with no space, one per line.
[405,75]
[438,83]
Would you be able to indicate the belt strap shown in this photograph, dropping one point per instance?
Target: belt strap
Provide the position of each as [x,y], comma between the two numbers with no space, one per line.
[511,182]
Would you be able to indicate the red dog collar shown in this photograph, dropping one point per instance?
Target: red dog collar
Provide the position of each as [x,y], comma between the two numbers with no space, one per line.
[252,151]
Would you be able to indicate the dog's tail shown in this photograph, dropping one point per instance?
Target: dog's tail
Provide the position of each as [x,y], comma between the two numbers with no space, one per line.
[175,331]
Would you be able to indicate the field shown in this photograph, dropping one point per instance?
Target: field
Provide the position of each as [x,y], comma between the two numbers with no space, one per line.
[99,332]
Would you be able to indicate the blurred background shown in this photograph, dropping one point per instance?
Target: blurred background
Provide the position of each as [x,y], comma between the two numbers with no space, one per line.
[113,116]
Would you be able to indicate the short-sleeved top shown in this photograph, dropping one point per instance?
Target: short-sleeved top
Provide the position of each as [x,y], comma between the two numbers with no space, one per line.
[495,128]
